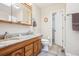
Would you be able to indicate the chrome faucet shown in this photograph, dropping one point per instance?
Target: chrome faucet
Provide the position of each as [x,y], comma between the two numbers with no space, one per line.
[4,36]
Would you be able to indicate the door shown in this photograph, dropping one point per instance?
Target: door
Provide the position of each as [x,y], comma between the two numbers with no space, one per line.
[58,28]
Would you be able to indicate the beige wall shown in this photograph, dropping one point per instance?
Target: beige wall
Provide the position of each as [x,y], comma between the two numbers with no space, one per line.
[13,28]
[46,28]
[36,13]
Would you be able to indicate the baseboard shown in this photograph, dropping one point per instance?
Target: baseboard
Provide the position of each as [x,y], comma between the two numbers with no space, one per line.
[69,54]
[58,45]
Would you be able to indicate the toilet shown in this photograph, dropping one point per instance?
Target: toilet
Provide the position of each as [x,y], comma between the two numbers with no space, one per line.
[45,43]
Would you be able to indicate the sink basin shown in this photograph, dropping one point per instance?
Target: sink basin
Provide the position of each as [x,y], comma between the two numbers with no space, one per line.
[18,38]
[13,40]
[7,41]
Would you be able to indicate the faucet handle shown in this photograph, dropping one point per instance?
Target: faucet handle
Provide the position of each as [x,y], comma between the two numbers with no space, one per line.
[5,34]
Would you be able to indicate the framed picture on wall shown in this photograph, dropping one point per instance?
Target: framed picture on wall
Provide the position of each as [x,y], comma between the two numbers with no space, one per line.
[45,19]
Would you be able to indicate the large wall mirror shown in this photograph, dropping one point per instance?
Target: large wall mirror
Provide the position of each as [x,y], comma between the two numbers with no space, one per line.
[20,13]
[5,11]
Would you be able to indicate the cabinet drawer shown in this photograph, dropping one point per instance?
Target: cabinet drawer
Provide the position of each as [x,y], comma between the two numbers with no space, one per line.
[30,46]
[29,52]
[19,52]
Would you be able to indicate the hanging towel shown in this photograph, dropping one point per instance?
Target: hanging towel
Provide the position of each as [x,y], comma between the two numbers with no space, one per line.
[75,21]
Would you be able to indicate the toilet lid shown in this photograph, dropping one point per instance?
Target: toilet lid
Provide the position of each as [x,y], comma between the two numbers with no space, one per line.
[45,40]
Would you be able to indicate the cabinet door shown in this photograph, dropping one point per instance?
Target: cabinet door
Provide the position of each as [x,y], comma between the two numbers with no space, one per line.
[37,47]
[29,50]
[19,52]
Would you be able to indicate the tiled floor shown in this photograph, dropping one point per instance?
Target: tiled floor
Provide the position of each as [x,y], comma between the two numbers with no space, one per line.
[57,50]
[52,51]
[45,53]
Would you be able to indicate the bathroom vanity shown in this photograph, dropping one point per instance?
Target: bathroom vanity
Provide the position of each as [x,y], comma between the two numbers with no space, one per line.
[22,47]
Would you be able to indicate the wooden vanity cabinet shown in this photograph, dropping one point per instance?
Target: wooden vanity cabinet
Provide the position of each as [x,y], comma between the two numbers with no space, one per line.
[31,47]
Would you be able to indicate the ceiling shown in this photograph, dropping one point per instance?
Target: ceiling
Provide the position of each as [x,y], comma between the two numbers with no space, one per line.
[43,5]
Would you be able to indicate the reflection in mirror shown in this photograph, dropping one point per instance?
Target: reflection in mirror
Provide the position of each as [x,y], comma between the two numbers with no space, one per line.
[17,13]
[5,11]
[22,13]
[16,10]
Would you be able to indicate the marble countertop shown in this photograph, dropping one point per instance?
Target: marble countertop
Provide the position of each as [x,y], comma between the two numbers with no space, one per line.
[10,41]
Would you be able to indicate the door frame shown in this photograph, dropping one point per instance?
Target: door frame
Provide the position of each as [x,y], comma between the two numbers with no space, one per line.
[63,27]
[53,27]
